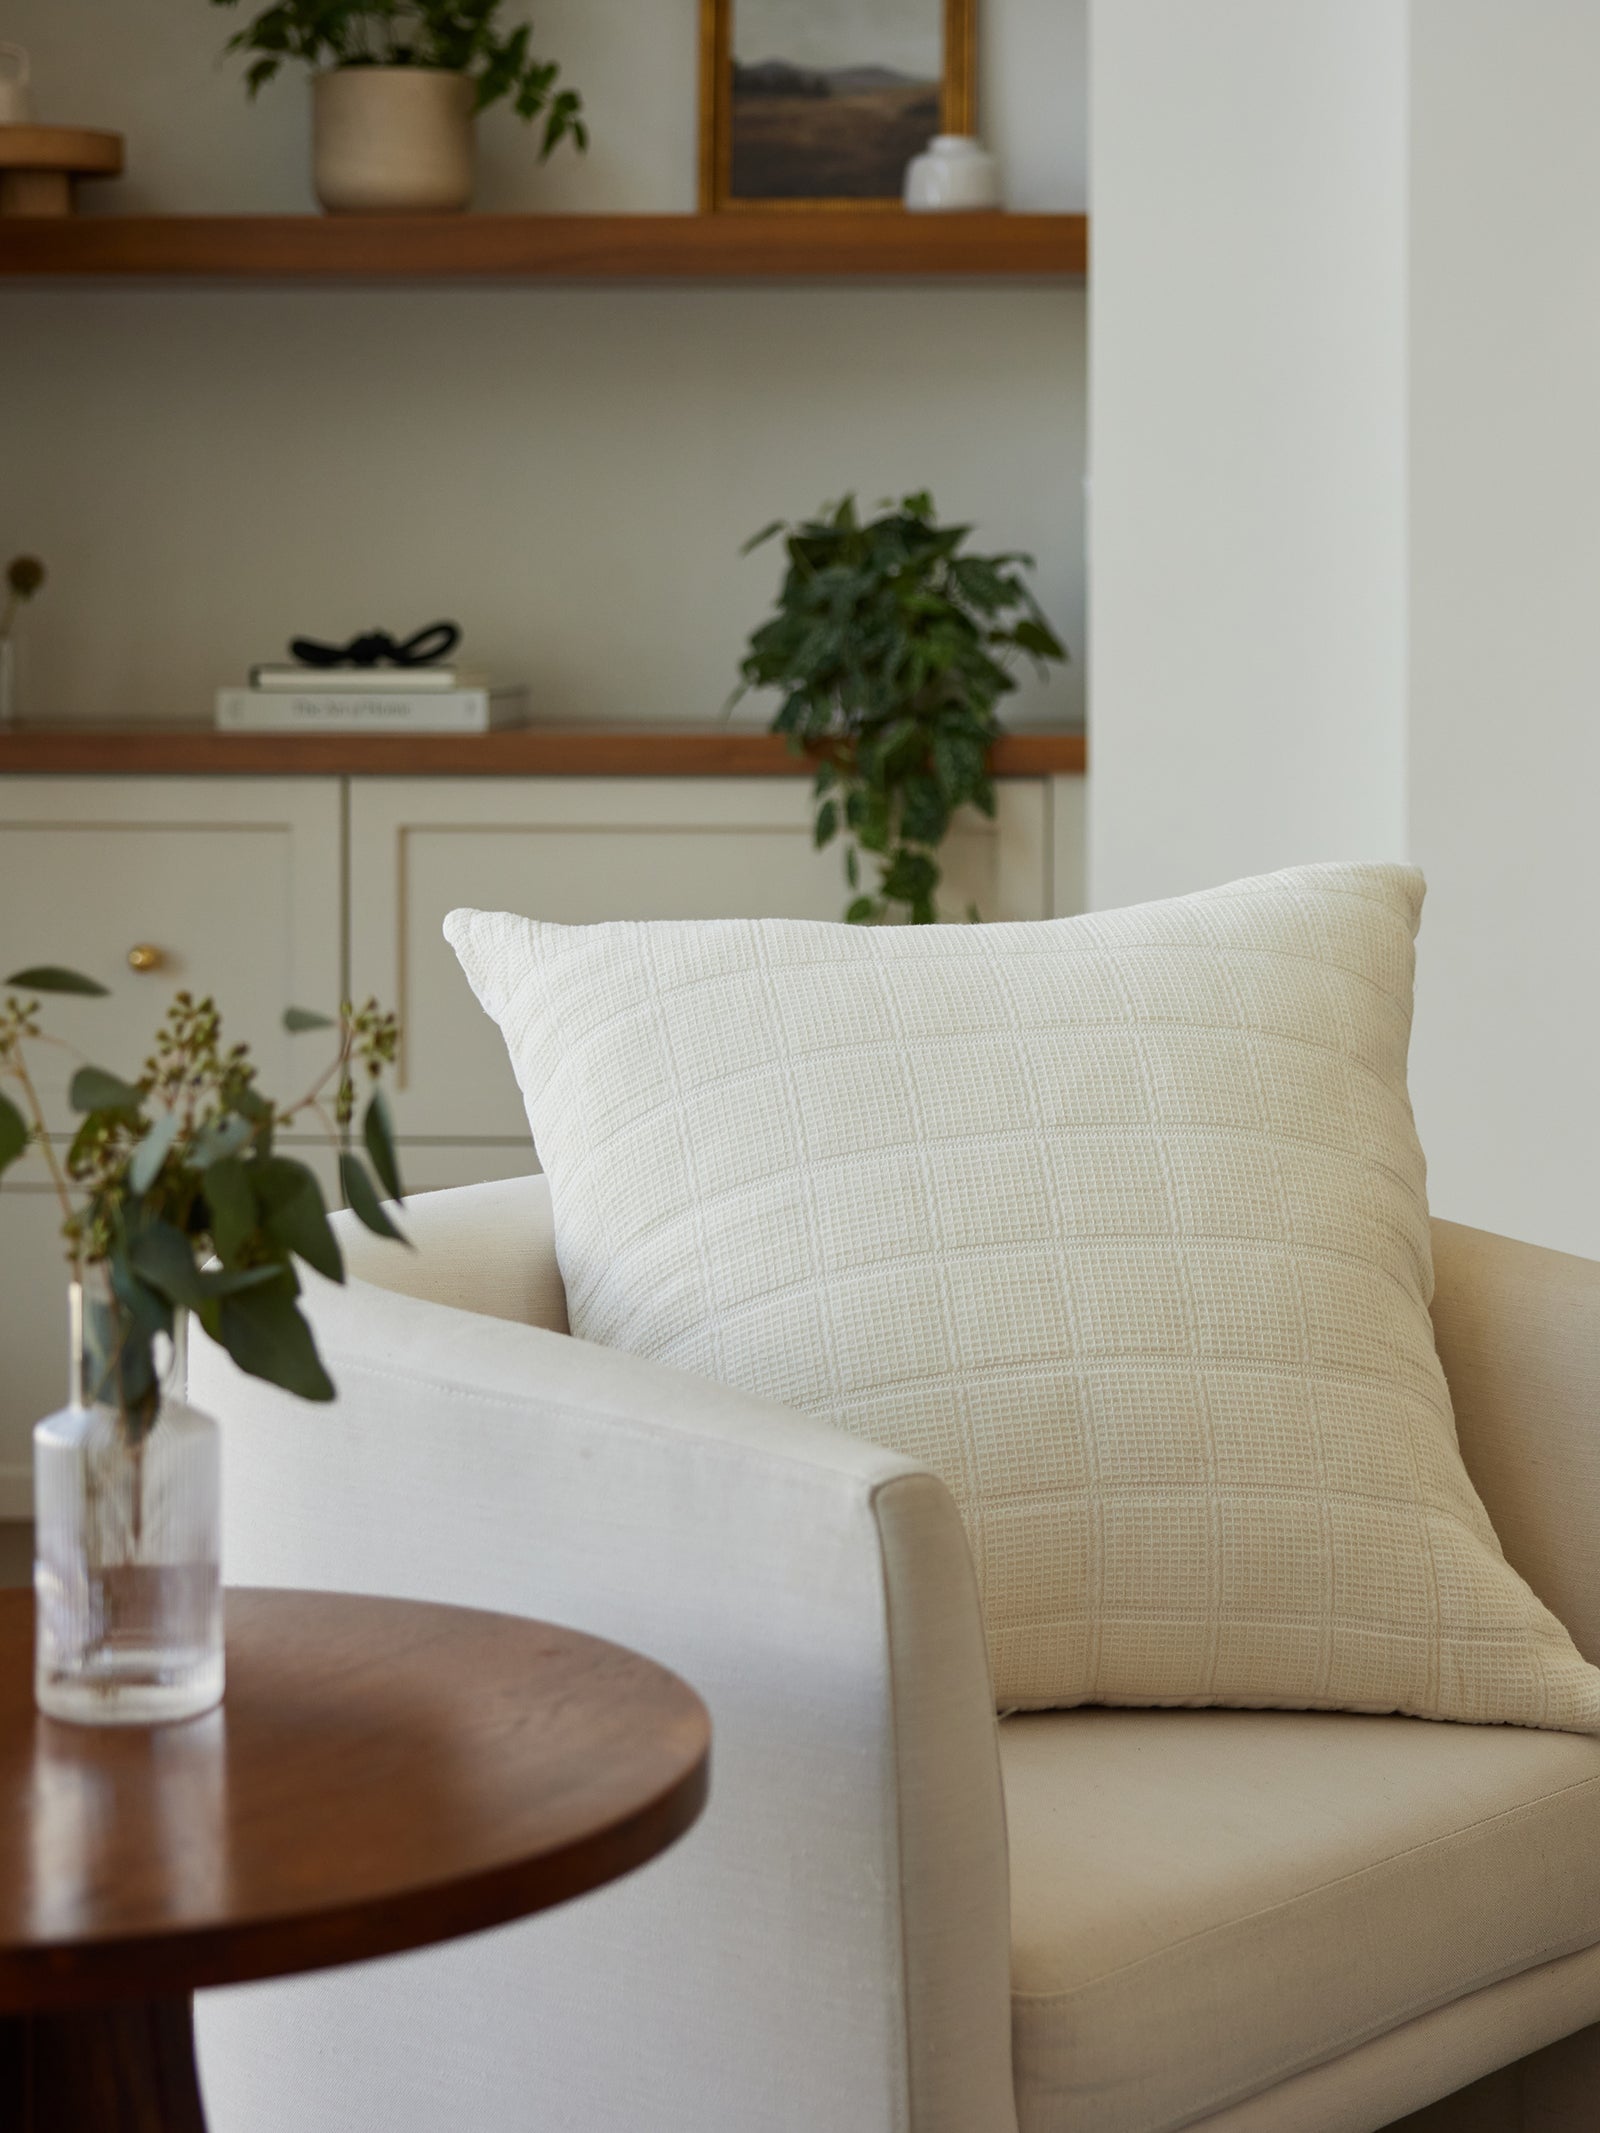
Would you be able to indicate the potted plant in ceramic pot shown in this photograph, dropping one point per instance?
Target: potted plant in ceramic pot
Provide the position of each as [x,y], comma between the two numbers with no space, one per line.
[892,646]
[178,1200]
[396,87]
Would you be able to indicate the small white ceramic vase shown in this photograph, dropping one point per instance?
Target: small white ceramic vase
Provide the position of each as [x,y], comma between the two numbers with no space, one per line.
[954,174]
[392,140]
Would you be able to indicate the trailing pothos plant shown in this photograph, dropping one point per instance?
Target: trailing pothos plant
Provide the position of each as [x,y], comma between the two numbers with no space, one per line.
[893,647]
[457,36]
[176,1194]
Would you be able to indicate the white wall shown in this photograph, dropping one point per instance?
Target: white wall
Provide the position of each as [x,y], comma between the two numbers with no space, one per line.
[1346,522]
[1248,452]
[1505,609]
[568,471]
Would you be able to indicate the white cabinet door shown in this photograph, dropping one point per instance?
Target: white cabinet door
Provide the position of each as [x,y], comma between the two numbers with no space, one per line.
[235,883]
[33,1332]
[579,849]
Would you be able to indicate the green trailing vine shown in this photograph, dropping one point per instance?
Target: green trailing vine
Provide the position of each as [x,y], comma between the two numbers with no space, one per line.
[893,647]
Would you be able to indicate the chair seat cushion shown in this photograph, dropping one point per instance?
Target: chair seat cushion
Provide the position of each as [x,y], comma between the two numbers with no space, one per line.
[1207,1902]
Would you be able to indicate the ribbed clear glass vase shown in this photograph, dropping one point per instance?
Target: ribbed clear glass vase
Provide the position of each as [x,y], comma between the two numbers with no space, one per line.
[127,1570]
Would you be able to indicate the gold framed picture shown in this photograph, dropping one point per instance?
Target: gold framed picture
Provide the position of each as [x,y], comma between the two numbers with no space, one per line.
[808,104]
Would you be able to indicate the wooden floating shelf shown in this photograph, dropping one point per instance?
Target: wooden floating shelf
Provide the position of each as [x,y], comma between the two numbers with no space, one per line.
[557,248]
[529,752]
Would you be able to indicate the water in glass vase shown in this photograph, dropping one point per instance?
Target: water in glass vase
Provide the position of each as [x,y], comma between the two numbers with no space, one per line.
[127,1510]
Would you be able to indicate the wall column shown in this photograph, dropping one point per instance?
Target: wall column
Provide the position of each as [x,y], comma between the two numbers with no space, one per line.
[1505,610]
[1247,438]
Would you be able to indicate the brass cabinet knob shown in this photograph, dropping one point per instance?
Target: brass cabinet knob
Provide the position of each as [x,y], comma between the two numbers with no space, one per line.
[145,957]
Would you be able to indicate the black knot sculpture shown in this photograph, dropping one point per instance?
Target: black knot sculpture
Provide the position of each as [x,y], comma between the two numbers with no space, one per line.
[376,648]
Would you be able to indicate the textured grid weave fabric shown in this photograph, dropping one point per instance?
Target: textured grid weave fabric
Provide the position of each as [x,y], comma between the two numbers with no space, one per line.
[1118,1222]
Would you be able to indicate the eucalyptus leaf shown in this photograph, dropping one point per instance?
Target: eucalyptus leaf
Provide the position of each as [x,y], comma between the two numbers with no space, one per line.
[144,1165]
[364,1202]
[263,1331]
[255,1107]
[50,977]
[78,1148]
[296,1019]
[93,1089]
[293,1214]
[231,1207]
[15,1133]
[223,1137]
[164,1258]
[149,1311]
[377,1131]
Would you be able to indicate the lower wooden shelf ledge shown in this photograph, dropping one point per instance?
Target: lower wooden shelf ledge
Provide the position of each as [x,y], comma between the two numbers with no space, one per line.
[527,752]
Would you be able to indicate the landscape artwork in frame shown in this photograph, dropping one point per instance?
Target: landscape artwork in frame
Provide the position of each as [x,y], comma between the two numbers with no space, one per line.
[822,103]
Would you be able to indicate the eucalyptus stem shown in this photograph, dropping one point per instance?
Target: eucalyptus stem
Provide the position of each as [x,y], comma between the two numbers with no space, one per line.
[36,1118]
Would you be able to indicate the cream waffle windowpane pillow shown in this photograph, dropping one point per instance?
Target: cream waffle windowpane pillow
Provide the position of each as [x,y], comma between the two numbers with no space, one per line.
[1118,1222]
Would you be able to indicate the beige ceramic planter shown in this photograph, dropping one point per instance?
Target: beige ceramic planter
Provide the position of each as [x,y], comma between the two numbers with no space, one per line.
[392,140]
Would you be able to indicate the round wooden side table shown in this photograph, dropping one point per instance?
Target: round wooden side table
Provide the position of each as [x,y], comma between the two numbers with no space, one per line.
[382,1775]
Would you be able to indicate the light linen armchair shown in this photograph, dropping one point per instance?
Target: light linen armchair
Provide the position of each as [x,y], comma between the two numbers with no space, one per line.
[1247,1921]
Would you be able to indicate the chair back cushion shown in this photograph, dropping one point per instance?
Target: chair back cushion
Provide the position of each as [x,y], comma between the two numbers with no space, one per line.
[1116,1222]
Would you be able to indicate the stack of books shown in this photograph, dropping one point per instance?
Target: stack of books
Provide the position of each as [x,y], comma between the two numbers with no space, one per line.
[296,699]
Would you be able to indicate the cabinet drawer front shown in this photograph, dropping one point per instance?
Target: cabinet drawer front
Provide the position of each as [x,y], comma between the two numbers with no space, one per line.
[577,850]
[224,886]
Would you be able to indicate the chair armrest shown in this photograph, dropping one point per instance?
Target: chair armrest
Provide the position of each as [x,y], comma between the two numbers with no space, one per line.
[830,1946]
[1518,1329]
[484,1248]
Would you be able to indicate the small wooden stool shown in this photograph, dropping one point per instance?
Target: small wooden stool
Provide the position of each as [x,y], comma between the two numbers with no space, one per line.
[39,163]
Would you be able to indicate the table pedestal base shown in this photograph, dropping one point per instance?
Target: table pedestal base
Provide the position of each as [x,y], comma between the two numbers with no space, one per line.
[127,2069]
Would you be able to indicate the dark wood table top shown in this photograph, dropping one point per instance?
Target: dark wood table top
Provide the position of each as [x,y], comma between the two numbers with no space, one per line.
[381,1775]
